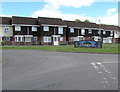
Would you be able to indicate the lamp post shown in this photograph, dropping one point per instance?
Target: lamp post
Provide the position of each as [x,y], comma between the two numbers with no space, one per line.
[100,33]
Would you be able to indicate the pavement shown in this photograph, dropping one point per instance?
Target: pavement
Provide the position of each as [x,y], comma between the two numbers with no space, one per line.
[45,70]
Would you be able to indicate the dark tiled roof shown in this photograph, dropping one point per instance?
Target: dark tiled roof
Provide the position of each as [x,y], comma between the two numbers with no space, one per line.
[73,24]
[81,24]
[51,21]
[93,25]
[109,27]
[24,20]
[5,20]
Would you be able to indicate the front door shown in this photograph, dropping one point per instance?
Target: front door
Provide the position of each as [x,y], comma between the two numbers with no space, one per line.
[56,40]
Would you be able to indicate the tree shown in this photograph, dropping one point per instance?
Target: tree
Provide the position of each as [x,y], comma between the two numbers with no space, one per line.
[86,21]
[77,20]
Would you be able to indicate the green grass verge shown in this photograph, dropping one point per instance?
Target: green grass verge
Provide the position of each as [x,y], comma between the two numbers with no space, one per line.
[107,48]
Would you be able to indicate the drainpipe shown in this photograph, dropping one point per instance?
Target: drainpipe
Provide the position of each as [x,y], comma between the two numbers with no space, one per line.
[54,30]
[27,30]
[78,33]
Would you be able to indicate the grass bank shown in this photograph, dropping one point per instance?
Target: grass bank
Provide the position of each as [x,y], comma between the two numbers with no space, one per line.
[107,48]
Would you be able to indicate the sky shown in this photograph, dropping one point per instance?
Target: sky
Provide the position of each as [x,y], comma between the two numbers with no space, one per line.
[92,10]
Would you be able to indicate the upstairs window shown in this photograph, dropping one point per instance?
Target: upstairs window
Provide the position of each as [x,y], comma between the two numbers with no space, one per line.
[90,31]
[6,29]
[60,30]
[111,33]
[99,31]
[116,32]
[17,28]
[71,30]
[34,28]
[46,28]
[82,31]
[104,32]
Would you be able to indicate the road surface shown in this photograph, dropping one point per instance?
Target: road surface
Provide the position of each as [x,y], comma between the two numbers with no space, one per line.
[45,70]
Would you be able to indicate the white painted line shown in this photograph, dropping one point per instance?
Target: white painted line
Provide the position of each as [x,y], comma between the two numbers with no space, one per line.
[110,62]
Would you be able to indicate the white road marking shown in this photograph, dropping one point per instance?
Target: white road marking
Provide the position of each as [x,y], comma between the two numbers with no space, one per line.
[110,62]
[108,79]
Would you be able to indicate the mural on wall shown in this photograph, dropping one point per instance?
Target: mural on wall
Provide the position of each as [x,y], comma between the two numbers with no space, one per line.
[88,44]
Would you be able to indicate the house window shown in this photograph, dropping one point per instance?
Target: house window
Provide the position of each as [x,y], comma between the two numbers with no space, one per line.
[116,32]
[46,28]
[61,38]
[89,31]
[80,38]
[7,38]
[71,30]
[72,38]
[27,39]
[35,38]
[34,28]
[17,28]
[99,31]
[104,32]
[6,29]
[111,33]
[60,30]
[47,39]
[19,39]
[82,31]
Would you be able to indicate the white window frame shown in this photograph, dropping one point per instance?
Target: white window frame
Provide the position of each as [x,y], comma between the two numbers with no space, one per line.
[96,38]
[7,38]
[82,31]
[72,38]
[34,28]
[111,33]
[79,38]
[61,39]
[6,29]
[35,38]
[17,38]
[28,39]
[72,30]
[90,31]
[45,28]
[17,28]
[99,31]
[47,39]
[60,30]
[104,32]
[116,32]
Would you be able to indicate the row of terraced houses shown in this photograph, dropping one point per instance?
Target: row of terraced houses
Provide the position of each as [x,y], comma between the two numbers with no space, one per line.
[53,31]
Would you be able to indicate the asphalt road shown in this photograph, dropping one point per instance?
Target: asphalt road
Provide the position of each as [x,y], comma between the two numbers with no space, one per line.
[44,70]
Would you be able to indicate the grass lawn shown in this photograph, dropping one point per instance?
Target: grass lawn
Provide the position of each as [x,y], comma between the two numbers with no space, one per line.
[107,48]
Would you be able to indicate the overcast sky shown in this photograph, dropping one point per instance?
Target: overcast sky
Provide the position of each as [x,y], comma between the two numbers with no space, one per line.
[92,10]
